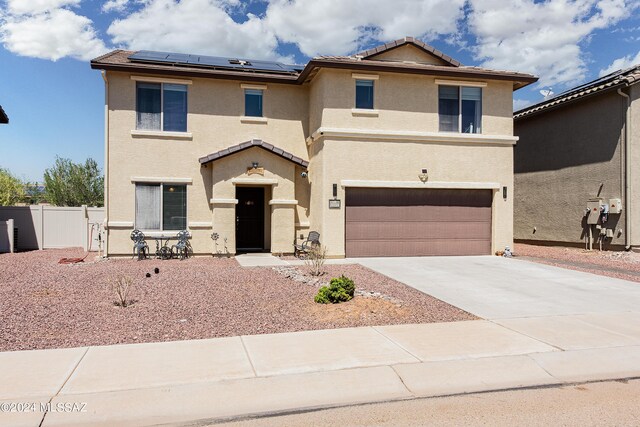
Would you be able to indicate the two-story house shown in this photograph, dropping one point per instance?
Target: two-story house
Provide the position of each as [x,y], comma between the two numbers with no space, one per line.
[396,151]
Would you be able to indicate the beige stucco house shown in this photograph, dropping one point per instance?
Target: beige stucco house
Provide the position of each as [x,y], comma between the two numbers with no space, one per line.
[399,150]
[575,179]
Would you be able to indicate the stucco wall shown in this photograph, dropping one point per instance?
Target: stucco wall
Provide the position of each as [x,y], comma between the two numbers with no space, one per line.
[564,157]
[405,102]
[634,178]
[215,108]
[403,161]
[408,53]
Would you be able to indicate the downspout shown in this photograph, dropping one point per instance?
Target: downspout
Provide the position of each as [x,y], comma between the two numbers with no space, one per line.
[106,162]
[627,172]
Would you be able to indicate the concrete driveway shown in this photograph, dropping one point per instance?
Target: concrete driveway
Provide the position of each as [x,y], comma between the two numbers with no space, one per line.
[499,288]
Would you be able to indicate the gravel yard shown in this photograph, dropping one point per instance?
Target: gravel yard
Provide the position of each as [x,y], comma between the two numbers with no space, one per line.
[618,264]
[44,304]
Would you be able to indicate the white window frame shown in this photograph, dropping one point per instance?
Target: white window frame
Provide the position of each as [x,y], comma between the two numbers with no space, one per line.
[161,184]
[162,83]
[460,86]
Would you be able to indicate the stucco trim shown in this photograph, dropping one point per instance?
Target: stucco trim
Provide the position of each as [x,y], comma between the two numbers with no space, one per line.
[364,112]
[200,224]
[260,120]
[361,76]
[161,80]
[160,134]
[443,137]
[161,179]
[419,184]
[255,181]
[120,224]
[303,224]
[160,233]
[252,86]
[223,201]
[283,202]
[461,83]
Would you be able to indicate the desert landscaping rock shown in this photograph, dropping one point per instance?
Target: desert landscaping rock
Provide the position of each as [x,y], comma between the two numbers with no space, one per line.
[44,304]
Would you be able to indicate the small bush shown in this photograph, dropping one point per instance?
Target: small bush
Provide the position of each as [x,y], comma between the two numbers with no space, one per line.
[315,260]
[122,286]
[340,289]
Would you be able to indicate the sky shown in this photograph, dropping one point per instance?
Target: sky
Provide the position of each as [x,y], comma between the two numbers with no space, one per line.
[55,102]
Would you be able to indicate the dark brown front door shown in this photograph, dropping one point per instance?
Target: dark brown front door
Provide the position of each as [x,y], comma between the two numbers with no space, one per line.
[250,219]
[417,222]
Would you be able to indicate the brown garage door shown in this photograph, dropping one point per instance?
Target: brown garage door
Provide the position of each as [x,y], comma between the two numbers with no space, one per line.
[417,222]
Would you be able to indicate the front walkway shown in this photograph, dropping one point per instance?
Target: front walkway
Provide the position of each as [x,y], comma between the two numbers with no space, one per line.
[186,381]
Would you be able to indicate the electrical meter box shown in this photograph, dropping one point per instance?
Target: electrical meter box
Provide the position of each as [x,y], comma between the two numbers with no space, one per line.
[615,206]
[593,206]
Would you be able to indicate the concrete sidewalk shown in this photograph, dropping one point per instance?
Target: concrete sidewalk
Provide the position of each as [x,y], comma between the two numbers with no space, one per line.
[188,381]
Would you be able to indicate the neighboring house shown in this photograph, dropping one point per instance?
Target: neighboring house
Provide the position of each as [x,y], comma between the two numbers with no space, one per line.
[3,116]
[399,150]
[575,149]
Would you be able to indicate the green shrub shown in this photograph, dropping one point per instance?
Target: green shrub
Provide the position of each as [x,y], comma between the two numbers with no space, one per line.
[340,289]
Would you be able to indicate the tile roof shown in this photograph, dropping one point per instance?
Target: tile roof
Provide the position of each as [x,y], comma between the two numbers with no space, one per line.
[412,41]
[3,116]
[625,77]
[253,143]
[118,60]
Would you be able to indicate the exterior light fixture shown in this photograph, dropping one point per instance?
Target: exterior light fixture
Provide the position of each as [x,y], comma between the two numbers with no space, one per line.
[424,176]
[504,192]
[255,165]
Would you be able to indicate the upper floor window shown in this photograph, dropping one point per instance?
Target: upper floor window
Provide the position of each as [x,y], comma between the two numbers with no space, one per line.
[460,109]
[161,106]
[161,207]
[364,94]
[253,102]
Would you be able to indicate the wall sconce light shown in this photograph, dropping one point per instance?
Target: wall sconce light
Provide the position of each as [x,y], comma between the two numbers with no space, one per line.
[335,190]
[504,192]
[424,176]
[304,174]
[255,165]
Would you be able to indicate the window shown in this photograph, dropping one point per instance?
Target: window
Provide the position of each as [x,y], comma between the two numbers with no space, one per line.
[364,94]
[161,106]
[161,207]
[253,102]
[460,109]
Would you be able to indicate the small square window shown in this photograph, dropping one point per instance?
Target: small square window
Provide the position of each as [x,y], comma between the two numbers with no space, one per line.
[364,94]
[253,102]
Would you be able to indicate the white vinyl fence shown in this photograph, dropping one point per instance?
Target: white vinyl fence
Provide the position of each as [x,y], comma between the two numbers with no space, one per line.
[46,227]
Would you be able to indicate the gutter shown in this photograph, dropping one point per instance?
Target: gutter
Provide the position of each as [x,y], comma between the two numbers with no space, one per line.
[627,171]
[106,161]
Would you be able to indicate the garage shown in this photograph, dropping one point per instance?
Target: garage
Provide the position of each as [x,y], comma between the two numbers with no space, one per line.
[382,222]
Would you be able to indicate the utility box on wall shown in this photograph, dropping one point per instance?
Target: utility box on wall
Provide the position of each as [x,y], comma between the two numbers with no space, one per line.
[593,206]
[615,206]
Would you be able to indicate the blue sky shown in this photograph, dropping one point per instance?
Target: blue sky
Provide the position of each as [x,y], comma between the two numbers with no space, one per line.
[55,101]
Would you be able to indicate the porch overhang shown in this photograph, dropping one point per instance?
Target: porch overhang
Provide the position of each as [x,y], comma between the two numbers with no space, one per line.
[249,144]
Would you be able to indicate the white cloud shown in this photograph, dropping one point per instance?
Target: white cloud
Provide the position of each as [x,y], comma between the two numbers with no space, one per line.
[621,63]
[334,27]
[195,26]
[115,6]
[541,38]
[519,104]
[46,29]
[19,7]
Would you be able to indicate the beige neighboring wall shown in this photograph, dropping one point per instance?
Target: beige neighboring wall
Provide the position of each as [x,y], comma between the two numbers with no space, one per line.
[564,157]
[634,178]
[215,108]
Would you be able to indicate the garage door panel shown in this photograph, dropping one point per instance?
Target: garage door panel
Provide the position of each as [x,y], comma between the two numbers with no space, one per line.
[418,213]
[443,247]
[417,230]
[417,222]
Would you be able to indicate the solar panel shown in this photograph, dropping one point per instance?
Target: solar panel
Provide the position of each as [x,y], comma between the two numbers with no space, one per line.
[213,62]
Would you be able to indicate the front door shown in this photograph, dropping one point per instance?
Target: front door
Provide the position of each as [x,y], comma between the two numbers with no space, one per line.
[250,219]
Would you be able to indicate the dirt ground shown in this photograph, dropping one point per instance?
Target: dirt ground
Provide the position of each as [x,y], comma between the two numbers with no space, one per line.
[618,264]
[44,304]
